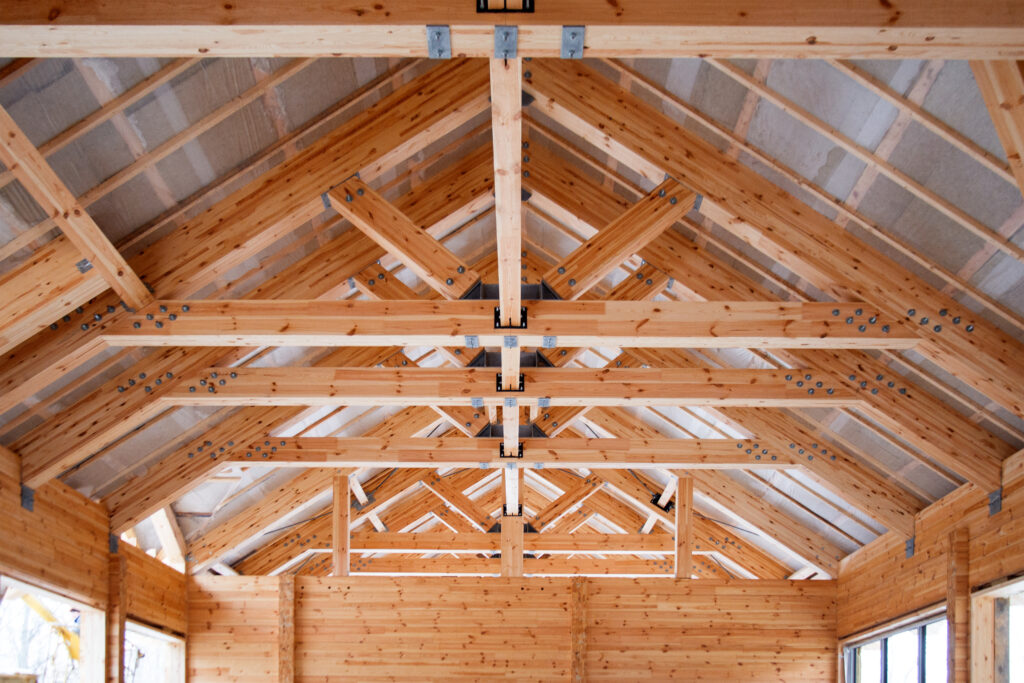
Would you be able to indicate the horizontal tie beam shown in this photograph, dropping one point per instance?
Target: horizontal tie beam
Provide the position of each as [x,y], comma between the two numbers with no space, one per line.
[537,453]
[482,387]
[472,323]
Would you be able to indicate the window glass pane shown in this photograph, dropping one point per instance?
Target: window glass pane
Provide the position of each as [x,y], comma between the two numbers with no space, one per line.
[39,634]
[869,663]
[152,658]
[901,660]
[935,652]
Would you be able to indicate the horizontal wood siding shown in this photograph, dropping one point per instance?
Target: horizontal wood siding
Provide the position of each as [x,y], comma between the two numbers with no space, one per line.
[155,592]
[879,583]
[61,545]
[427,628]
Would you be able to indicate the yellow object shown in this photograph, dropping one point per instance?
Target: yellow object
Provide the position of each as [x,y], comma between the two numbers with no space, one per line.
[71,640]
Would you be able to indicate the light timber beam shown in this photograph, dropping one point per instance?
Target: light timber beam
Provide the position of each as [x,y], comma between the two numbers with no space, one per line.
[511,545]
[507,132]
[340,524]
[476,566]
[629,28]
[545,453]
[571,323]
[1001,83]
[30,168]
[684,527]
[447,386]
[456,499]
[589,263]
[573,496]
[778,224]
[550,543]
[396,233]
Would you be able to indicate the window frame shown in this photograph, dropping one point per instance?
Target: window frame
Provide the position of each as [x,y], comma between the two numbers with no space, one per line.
[919,624]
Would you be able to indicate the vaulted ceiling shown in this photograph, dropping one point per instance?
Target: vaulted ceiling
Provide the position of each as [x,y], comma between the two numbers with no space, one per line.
[878,187]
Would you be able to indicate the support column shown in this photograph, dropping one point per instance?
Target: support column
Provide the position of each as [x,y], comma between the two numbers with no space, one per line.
[340,524]
[684,528]
[512,545]
[578,628]
[958,605]
[116,604]
[286,629]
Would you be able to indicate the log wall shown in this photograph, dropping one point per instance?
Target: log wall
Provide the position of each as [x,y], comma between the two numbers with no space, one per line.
[420,628]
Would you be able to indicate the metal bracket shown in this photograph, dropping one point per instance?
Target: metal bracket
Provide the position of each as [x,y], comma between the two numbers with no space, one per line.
[544,402]
[498,384]
[506,513]
[484,6]
[524,195]
[510,341]
[83,266]
[528,99]
[499,326]
[549,342]
[511,403]
[995,502]
[501,452]
[667,507]
[476,402]
[506,39]
[326,200]
[359,506]
[112,543]
[909,547]
[439,42]
[698,201]
[28,498]
[572,42]
[472,341]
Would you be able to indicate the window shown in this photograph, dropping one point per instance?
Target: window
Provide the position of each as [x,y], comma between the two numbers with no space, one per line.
[912,654]
[41,633]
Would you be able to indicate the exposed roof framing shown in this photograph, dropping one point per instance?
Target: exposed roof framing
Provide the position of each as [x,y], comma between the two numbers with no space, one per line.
[525,316]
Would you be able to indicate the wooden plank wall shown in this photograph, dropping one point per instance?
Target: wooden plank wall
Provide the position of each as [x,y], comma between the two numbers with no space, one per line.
[155,593]
[428,628]
[233,628]
[701,630]
[63,545]
[878,583]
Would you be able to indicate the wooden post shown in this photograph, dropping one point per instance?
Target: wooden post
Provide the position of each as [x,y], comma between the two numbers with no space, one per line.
[512,545]
[684,528]
[286,629]
[340,519]
[116,603]
[958,602]
[578,628]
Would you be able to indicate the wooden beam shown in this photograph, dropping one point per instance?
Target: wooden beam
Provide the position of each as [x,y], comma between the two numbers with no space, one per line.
[556,565]
[448,386]
[172,542]
[630,28]
[1001,83]
[396,233]
[340,524]
[742,324]
[775,222]
[49,191]
[481,519]
[512,545]
[684,527]
[573,496]
[117,613]
[548,542]
[42,289]
[589,263]
[537,453]
[578,629]
[958,606]
[286,628]
[507,133]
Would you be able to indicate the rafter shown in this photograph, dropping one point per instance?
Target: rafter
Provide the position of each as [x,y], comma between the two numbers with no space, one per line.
[1001,83]
[775,222]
